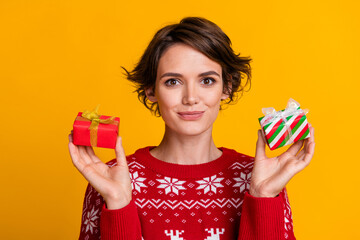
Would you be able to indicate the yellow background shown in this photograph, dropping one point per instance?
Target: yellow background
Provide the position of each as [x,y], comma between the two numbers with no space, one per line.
[61,57]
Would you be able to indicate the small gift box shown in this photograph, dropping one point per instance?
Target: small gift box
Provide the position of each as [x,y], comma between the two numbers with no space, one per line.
[92,129]
[286,126]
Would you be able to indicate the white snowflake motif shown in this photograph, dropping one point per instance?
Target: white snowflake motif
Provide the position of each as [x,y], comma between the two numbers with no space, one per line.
[243,181]
[210,184]
[171,185]
[137,182]
[90,220]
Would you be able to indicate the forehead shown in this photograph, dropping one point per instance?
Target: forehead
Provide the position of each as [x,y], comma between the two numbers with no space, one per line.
[184,59]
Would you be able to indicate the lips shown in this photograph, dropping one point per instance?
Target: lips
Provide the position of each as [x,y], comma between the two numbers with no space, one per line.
[194,115]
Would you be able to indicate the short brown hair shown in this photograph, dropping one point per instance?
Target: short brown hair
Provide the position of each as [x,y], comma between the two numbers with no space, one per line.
[204,36]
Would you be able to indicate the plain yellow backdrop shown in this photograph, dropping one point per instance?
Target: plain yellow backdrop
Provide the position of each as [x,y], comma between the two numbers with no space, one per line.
[61,57]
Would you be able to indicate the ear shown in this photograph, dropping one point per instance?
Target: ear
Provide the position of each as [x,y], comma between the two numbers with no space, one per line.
[226,94]
[150,94]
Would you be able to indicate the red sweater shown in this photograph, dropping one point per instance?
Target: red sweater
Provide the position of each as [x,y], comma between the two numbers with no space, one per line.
[189,202]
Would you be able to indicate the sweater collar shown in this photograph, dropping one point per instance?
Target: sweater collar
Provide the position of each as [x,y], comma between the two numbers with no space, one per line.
[145,158]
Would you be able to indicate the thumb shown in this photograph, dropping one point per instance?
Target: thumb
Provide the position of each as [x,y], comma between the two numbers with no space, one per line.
[120,153]
[260,146]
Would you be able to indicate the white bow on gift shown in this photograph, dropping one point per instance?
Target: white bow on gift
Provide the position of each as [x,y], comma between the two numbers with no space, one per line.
[293,107]
[272,117]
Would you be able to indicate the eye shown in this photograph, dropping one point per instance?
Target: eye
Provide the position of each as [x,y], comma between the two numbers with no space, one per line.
[172,82]
[208,81]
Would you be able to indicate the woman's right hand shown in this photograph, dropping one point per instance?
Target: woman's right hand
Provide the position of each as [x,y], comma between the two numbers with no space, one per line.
[113,183]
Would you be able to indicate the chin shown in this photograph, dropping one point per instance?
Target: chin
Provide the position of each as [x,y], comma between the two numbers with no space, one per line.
[191,129]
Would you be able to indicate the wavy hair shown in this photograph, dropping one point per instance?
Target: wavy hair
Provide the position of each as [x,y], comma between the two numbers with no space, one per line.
[204,36]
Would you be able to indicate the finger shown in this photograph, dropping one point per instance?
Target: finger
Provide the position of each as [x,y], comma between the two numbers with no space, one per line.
[120,153]
[308,156]
[73,150]
[260,146]
[312,132]
[295,147]
[301,154]
[77,153]
[87,170]
[75,156]
[95,179]
[303,151]
[70,137]
[91,153]
[84,155]
[308,140]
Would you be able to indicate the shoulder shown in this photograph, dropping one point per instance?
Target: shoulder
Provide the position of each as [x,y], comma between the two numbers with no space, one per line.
[232,153]
[131,159]
[238,159]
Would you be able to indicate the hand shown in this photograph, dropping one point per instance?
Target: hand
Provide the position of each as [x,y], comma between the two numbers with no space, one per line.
[270,175]
[113,183]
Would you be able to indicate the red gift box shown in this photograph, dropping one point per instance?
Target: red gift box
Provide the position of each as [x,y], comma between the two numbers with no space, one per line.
[103,135]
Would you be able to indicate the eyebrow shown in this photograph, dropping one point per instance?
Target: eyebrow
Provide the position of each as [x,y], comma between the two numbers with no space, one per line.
[171,74]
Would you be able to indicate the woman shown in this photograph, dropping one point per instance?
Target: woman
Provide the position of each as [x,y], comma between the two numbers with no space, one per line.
[186,187]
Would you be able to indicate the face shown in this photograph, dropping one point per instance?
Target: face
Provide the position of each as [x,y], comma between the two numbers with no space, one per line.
[188,90]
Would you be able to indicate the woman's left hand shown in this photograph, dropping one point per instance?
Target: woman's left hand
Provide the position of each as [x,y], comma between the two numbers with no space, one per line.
[270,175]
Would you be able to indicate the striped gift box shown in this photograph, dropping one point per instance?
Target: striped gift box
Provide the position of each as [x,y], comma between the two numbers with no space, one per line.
[284,127]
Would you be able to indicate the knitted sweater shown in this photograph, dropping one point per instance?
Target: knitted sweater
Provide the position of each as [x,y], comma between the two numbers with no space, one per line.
[188,202]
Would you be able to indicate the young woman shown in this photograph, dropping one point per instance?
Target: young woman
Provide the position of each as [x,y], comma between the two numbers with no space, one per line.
[186,187]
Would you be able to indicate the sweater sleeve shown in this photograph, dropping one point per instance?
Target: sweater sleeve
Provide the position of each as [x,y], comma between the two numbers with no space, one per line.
[98,221]
[120,224]
[266,218]
[90,221]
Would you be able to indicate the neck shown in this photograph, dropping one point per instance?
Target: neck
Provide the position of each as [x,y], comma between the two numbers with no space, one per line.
[185,149]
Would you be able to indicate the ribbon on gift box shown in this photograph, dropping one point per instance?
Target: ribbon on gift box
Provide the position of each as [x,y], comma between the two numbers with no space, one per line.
[293,120]
[94,117]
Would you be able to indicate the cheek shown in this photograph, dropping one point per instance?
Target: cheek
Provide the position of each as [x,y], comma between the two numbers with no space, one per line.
[213,99]
[166,101]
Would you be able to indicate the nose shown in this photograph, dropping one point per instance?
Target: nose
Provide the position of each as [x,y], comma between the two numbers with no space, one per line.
[190,96]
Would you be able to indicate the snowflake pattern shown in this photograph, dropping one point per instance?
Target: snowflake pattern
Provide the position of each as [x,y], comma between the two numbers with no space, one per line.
[91,216]
[210,184]
[137,182]
[171,185]
[234,179]
[287,214]
[243,181]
